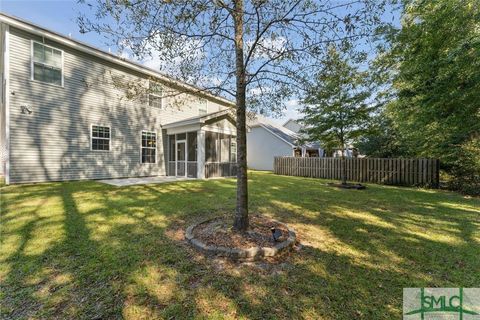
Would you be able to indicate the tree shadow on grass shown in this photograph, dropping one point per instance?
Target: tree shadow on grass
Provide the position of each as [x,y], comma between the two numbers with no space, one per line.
[114,254]
[419,232]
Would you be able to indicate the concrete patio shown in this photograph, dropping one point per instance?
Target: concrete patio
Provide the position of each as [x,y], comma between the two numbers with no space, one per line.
[123,182]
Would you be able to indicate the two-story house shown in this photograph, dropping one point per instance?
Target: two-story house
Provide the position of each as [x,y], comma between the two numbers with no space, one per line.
[70,111]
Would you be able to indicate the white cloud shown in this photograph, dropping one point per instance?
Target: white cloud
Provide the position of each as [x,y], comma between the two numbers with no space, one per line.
[292,112]
[267,47]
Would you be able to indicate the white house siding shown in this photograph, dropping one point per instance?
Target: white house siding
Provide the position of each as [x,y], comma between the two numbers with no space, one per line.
[53,142]
[262,147]
[222,126]
[182,106]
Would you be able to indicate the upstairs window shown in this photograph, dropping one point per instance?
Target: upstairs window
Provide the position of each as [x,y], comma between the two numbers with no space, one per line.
[155,96]
[47,64]
[100,138]
[202,107]
[149,147]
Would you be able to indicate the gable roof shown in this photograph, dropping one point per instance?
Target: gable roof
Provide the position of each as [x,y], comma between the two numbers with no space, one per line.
[200,119]
[289,120]
[285,134]
[277,130]
[91,50]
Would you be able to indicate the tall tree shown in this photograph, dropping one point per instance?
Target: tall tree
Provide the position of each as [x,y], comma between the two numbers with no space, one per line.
[256,51]
[335,107]
[380,141]
[436,57]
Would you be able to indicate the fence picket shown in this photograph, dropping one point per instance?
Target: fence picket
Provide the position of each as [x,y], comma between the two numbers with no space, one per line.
[408,172]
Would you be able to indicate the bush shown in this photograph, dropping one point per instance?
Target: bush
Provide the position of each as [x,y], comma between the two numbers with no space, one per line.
[464,171]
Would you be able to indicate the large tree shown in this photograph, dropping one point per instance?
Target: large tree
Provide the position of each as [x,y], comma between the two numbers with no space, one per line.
[257,51]
[434,61]
[335,110]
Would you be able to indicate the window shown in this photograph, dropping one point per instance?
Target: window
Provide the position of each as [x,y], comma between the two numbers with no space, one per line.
[47,64]
[202,107]
[233,150]
[149,147]
[155,97]
[100,138]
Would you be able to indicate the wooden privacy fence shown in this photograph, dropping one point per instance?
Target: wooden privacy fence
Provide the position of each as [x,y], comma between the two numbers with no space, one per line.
[408,172]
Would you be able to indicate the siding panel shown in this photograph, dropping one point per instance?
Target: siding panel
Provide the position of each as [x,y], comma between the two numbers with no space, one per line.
[53,141]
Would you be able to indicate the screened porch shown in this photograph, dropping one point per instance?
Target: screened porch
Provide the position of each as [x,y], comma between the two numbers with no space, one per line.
[202,154]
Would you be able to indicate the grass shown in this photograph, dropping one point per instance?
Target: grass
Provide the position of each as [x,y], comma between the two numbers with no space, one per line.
[88,250]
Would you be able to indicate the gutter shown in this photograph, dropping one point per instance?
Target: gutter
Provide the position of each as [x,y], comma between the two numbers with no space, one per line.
[86,48]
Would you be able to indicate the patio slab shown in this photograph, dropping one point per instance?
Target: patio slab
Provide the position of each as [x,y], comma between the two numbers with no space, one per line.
[123,182]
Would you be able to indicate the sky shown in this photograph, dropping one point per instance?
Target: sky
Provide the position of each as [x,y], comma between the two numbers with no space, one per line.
[60,15]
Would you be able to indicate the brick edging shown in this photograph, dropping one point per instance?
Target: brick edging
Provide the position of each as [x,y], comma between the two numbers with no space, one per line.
[241,254]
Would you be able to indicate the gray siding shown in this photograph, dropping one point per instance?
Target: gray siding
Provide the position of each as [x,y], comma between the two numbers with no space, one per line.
[263,147]
[3,142]
[53,142]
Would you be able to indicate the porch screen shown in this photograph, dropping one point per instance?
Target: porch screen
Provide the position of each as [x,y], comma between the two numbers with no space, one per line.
[224,148]
[211,146]
[192,146]
[171,147]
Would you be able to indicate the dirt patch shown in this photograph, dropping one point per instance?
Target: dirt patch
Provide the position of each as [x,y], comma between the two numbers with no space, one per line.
[356,186]
[219,232]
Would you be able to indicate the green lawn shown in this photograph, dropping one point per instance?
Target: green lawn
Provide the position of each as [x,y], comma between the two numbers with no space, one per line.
[88,250]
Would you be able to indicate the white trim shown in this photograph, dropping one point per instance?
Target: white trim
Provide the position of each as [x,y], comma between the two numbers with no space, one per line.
[276,135]
[32,63]
[6,72]
[198,119]
[78,45]
[185,155]
[109,139]
[229,131]
[156,146]
[189,128]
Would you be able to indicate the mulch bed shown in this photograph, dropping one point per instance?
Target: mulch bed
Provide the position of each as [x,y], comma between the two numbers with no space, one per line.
[219,232]
[356,186]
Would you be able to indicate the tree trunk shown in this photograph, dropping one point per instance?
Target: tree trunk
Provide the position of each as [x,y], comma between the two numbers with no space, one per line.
[241,213]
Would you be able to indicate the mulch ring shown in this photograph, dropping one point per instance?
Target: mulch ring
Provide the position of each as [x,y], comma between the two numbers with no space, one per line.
[219,232]
[356,186]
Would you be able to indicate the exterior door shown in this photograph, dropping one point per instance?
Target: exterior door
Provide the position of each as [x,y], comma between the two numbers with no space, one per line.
[180,159]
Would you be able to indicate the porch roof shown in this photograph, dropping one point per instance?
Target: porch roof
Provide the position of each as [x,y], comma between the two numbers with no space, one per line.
[200,120]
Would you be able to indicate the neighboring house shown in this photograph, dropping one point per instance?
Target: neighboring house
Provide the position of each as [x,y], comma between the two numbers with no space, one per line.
[292,125]
[350,152]
[65,115]
[267,140]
